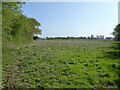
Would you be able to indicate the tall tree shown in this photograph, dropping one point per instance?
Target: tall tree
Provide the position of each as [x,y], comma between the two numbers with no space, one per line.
[10,12]
[16,26]
[116,32]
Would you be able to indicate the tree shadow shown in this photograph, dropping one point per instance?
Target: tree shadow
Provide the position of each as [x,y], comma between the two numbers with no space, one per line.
[114,55]
[117,53]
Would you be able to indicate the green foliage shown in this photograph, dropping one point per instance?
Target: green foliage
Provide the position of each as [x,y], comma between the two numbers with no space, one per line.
[17,27]
[14,6]
[116,32]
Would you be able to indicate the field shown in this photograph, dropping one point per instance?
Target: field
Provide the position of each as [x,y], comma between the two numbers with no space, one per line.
[62,64]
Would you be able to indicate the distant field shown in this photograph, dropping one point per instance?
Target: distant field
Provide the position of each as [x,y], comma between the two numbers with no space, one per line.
[62,64]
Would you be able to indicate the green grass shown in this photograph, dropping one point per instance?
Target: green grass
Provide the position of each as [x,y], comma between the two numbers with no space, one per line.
[62,64]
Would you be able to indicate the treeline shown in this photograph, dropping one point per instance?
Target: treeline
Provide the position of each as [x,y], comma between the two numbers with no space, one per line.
[17,27]
[92,37]
[66,37]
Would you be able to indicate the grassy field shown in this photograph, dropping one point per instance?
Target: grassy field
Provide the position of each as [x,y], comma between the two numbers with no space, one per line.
[62,64]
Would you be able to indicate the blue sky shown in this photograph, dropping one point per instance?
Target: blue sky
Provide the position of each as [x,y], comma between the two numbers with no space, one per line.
[62,19]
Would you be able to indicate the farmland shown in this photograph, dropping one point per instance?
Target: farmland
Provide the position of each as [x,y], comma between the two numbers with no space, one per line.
[61,64]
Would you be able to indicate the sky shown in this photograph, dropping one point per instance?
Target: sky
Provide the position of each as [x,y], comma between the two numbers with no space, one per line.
[62,19]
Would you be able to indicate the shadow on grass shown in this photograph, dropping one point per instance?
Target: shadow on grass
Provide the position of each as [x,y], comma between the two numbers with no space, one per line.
[118,57]
[117,47]
[115,55]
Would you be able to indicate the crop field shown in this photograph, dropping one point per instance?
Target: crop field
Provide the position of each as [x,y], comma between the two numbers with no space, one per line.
[62,64]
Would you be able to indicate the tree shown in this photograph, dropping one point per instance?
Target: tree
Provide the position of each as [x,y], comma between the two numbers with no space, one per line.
[35,26]
[14,6]
[88,37]
[10,11]
[92,36]
[110,38]
[116,32]
[16,26]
